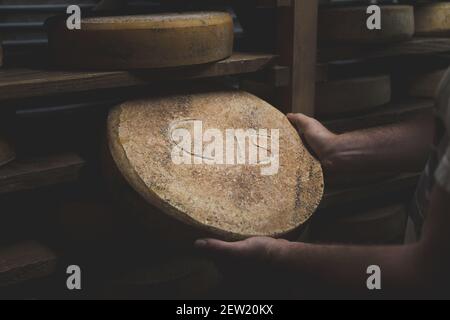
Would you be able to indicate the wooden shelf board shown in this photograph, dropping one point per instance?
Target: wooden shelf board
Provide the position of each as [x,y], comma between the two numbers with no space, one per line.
[26,83]
[393,112]
[24,262]
[416,46]
[22,175]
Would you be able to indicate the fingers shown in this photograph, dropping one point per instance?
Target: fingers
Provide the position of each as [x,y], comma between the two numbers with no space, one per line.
[222,248]
[301,122]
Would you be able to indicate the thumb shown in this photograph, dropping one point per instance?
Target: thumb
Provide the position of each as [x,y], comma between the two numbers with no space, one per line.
[225,249]
[304,123]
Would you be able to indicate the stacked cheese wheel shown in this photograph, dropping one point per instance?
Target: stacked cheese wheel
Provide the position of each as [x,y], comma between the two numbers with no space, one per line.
[147,41]
[348,25]
[271,196]
[352,95]
[433,19]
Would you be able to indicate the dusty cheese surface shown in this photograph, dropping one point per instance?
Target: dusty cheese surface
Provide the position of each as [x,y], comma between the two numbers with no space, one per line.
[228,200]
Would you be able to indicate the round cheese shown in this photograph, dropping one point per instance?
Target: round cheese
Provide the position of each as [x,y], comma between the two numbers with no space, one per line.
[349,25]
[146,41]
[225,164]
[352,95]
[433,19]
[7,153]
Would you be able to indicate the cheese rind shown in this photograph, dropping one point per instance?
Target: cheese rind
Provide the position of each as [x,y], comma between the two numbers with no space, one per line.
[433,19]
[352,95]
[150,41]
[227,201]
[349,25]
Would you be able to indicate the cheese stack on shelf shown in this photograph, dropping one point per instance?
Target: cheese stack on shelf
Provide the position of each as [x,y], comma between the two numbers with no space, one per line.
[432,19]
[345,29]
[357,92]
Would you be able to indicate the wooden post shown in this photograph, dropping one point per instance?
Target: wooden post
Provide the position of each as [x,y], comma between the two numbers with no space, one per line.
[297,48]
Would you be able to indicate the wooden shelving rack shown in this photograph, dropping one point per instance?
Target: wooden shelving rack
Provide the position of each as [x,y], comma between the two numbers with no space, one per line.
[292,72]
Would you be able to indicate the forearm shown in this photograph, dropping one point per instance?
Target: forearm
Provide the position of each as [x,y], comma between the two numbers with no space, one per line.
[338,271]
[402,147]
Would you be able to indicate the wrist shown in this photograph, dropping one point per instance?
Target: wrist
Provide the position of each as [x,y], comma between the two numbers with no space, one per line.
[335,157]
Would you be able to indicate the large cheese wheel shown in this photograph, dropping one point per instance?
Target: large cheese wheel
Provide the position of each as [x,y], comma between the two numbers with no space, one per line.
[433,19]
[229,201]
[349,25]
[426,85]
[146,41]
[7,154]
[352,95]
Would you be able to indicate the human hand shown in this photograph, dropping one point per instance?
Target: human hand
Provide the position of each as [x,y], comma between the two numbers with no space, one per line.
[322,142]
[255,266]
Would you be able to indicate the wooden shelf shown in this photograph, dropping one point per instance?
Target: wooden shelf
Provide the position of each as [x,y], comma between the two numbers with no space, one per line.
[27,83]
[391,187]
[390,113]
[22,175]
[417,46]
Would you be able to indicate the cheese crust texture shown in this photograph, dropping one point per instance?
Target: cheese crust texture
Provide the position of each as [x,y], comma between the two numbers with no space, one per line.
[140,42]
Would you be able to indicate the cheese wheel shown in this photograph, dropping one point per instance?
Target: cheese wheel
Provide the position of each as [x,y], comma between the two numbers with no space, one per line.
[349,25]
[232,201]
[433,19]
[426,85]
[352,95]
[7,153]
[146,41]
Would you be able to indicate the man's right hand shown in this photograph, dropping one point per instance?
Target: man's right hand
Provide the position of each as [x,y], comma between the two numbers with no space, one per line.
[321,141]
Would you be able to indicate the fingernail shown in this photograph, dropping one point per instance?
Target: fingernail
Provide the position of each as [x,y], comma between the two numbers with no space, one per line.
[201,243]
